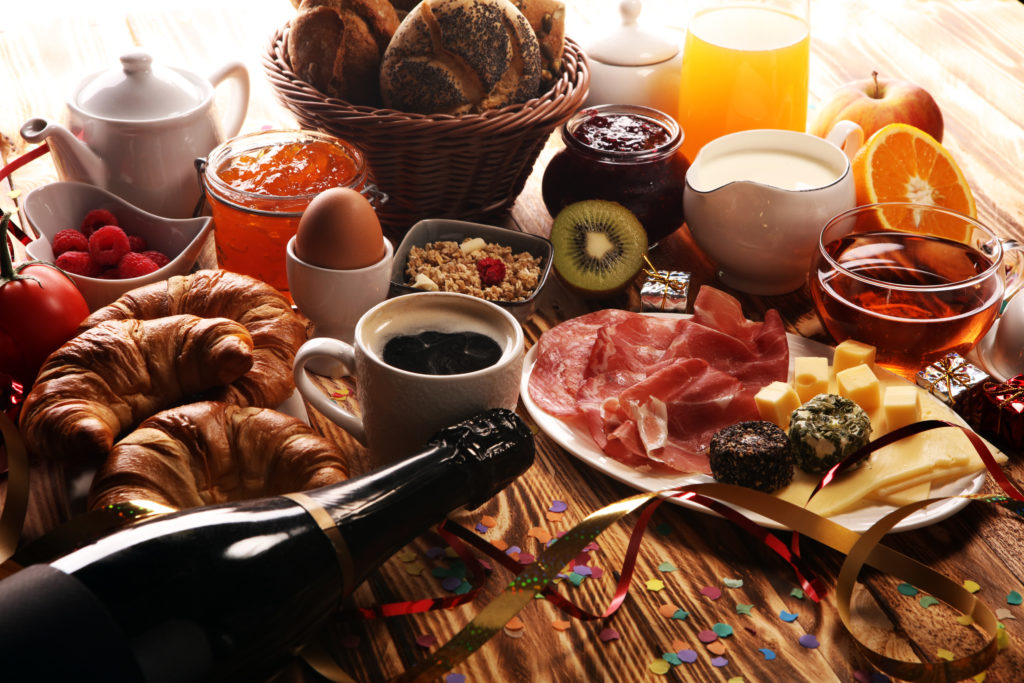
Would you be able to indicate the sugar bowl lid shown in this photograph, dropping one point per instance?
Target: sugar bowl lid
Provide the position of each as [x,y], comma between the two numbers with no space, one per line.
[631,44]
[139,91]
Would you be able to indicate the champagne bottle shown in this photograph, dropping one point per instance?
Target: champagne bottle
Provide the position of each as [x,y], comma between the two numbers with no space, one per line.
[227,592]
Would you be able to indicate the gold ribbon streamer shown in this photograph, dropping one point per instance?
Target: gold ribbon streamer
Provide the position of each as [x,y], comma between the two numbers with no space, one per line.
[16,506]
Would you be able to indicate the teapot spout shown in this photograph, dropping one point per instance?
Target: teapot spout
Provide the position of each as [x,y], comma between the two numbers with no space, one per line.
[72,157]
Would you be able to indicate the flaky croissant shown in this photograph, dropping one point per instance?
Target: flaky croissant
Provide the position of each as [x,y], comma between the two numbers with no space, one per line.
[277,331]
[113,375]
[211,452]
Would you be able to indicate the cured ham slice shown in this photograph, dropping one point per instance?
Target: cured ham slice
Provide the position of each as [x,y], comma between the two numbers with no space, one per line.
[652,390]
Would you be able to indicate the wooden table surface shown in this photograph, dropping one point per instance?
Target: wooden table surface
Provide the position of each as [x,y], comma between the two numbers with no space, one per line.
[967,53]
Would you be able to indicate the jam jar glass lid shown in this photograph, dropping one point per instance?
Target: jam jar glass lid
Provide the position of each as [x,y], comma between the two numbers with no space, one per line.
[631,44]
[140,91]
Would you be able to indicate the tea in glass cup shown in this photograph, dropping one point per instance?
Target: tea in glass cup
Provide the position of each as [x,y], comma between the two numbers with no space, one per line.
[745,65]
[882,276]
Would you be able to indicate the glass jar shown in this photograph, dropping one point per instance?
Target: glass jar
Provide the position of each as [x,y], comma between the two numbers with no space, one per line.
[259,184]
[622,153]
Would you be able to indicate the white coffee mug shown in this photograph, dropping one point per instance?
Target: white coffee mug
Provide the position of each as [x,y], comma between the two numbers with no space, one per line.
[756,201]
[400,410]
[334,300]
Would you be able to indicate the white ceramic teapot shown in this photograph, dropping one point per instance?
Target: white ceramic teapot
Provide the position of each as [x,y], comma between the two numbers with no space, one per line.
[136,131]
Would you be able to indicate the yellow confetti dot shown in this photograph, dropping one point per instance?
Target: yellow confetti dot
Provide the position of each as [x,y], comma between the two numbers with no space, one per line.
[944,654]
[654,584]
[965,620]
[981,677]
[716,648]
[414,568]
[450,552]
[407,556]
[515,624]
[1002,638]
[735,679]
[667,610]
[560,625]
[488,521]
[972,586]
[659,666]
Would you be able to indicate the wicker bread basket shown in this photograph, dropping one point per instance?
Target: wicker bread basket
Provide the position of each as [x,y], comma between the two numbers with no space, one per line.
[437,166]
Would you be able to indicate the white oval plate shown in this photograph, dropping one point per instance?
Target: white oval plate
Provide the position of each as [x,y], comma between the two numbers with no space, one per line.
[579,443]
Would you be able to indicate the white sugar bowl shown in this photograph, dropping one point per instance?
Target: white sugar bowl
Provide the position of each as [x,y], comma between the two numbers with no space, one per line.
[635,65]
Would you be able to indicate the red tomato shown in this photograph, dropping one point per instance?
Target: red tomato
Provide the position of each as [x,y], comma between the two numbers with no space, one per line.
[40,309]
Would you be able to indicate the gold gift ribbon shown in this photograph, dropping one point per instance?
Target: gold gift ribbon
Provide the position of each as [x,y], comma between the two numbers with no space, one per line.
[951,375]
[667,283]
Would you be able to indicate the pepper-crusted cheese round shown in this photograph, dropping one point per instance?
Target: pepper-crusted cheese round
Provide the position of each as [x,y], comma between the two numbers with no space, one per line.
[826,430]
[756,454]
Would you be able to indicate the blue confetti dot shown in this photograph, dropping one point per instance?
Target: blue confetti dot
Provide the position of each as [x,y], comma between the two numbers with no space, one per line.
[788,617]
[769,655]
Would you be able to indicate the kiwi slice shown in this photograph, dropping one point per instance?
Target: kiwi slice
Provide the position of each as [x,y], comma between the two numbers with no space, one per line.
[599,247]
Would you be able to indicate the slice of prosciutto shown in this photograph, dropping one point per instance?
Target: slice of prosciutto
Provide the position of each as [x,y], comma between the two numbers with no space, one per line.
[652,390]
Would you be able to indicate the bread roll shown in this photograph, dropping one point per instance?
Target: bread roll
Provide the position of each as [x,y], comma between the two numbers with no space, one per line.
[337,45]
[547,18]
[460,56]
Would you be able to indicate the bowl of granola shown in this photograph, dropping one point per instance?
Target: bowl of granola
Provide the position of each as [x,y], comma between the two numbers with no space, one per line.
[497,264]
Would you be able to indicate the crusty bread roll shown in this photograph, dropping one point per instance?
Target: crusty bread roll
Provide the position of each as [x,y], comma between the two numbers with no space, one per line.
[547,18]
[209,452]
[460,56]
[337,45]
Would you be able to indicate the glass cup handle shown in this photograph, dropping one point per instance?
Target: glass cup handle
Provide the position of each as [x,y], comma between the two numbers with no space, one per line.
[1013,268]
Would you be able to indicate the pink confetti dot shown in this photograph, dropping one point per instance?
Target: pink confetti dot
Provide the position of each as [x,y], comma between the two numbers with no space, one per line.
[426,640]
[711,592]
[707,636]
[607,634]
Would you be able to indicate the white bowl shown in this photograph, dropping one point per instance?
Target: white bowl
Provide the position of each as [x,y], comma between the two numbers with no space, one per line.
[61,205]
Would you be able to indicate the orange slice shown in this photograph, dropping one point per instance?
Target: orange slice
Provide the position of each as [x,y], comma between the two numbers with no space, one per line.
[901,163]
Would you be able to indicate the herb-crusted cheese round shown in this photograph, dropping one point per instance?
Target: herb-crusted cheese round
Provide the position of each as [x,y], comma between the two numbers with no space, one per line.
[755,454]
[825,430]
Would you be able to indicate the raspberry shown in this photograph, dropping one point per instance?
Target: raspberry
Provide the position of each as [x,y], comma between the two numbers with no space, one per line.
[135,265]
[137,243]
[108,244]
[491,270]
[79,263]
[157,257]
[69,240]
[96,219]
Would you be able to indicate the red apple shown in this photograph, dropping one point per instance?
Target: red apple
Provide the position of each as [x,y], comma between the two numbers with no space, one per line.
[875,102]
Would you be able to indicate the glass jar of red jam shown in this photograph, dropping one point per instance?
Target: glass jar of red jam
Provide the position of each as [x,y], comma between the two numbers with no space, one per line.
[259,184]
[622,153]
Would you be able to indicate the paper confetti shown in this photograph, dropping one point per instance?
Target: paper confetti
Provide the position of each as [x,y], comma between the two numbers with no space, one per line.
[680,614]
[576,579]
[526,558]
[707,636]
[927,601]
[689,656]
[454,678]
[607,634]
[407,556]
[943,653]
[907,589]
[716,648]
[769,654]
[666,566]
[733,583]
[515,624]
[596,572]
[788,617]
[711,592]
[667,610]
[558,506]
[808,640]
[1014,598]
[553,516]
[735,679]
[678,645]
[560,625]
[659,666]
[500,544]
[719,662]
[414,568]
[450,583]
[480,528]
[722,630]
[540,533]
[743,609]
[434,552]
[582,570]
[972,586]
[672,658]
[488,521]
[426,640]
[1002,614]
[797,593]
[654,584]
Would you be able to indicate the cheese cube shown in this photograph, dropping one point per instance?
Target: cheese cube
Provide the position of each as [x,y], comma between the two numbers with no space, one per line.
[776,402]
[860,385]
[901,405]
[810,376]
[851,353]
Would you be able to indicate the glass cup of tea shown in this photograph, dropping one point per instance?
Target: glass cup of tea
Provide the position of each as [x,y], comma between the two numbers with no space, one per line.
[745,66]
[915,281]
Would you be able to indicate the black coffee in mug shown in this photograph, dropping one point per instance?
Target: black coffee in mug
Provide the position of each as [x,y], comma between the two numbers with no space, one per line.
[442,353]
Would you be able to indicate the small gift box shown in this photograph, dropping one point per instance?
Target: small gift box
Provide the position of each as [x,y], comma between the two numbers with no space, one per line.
[665,290]
[952,379]
[997,411]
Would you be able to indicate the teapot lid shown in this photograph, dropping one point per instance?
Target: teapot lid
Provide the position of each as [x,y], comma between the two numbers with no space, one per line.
[139,91]
[631,44]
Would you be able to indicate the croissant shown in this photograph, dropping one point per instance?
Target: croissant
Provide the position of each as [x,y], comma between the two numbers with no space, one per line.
[113,375]
[210,452]
[277,331]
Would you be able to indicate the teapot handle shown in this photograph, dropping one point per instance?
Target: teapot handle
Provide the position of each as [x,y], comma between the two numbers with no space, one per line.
[233,117]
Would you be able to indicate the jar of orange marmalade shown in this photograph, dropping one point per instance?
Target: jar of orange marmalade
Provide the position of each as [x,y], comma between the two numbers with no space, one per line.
[259,184]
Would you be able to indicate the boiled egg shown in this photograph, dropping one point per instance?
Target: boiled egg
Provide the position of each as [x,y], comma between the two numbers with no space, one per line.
[339,230]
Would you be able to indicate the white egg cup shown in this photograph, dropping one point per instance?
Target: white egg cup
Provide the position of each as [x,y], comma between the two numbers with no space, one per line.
[334,300]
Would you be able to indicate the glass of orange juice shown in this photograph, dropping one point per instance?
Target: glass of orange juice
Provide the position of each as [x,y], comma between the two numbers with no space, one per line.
[745,66]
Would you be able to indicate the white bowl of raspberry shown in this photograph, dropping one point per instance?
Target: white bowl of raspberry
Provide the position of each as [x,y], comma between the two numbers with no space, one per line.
[106,245]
